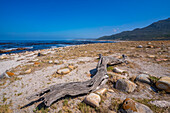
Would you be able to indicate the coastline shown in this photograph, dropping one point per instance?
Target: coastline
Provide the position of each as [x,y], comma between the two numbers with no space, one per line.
[17,46]
[83,58]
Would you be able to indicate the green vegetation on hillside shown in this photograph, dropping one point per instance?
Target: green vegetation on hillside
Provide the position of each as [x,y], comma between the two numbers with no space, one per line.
[156,31]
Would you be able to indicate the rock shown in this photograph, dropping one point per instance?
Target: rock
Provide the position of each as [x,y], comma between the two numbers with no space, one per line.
[149,43]
[63,71]
[4,75]
[28,71]
[111,111]
[117,77]
[141,108]
[10,73]
[93,100]
[50,61]
[125,85]
[139,46]
[151,56]
[56,61]
[143,78]
[164,84]
[89,75]
[117,70]
[71,67]
[149,46]
[101,91]
[35,60]
[36,63]
[161,103]
[130,106]
[132,78]
[4,56]
[39,54]
[110,90]
[158,60]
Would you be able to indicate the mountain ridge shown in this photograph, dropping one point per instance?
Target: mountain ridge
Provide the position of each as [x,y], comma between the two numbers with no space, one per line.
[159,30]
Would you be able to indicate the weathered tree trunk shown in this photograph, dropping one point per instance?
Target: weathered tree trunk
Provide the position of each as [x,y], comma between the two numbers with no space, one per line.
[58,91]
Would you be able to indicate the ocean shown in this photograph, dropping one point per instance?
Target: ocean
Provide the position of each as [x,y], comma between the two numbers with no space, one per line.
[17,46]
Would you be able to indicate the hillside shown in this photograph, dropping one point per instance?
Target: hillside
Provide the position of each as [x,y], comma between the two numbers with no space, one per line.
[156,31]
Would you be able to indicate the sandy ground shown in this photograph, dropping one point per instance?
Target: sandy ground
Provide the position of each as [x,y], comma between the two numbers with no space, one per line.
[13,91]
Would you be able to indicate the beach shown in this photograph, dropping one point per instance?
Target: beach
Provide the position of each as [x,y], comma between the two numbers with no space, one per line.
[23,74]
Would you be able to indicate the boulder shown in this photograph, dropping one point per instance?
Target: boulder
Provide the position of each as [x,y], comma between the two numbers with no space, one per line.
[93,99]
[125,85]
[130,106]
[143,78]
[63,71]
[117,70]
[101,91]
[164,84]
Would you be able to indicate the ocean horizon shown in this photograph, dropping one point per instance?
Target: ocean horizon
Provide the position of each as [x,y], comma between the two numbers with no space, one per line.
[17,46]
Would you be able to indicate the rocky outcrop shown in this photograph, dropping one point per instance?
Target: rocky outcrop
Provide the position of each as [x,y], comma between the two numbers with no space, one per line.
[125,85]
[164,84]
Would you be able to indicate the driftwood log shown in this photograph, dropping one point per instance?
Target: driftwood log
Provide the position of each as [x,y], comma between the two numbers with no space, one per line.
[55,92]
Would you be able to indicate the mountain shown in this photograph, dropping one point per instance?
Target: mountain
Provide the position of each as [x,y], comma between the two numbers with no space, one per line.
[156,31]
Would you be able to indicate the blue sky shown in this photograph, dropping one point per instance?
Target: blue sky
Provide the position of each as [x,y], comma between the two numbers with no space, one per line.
[71,19]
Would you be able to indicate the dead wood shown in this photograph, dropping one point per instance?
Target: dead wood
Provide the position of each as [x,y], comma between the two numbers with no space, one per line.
[55,92]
